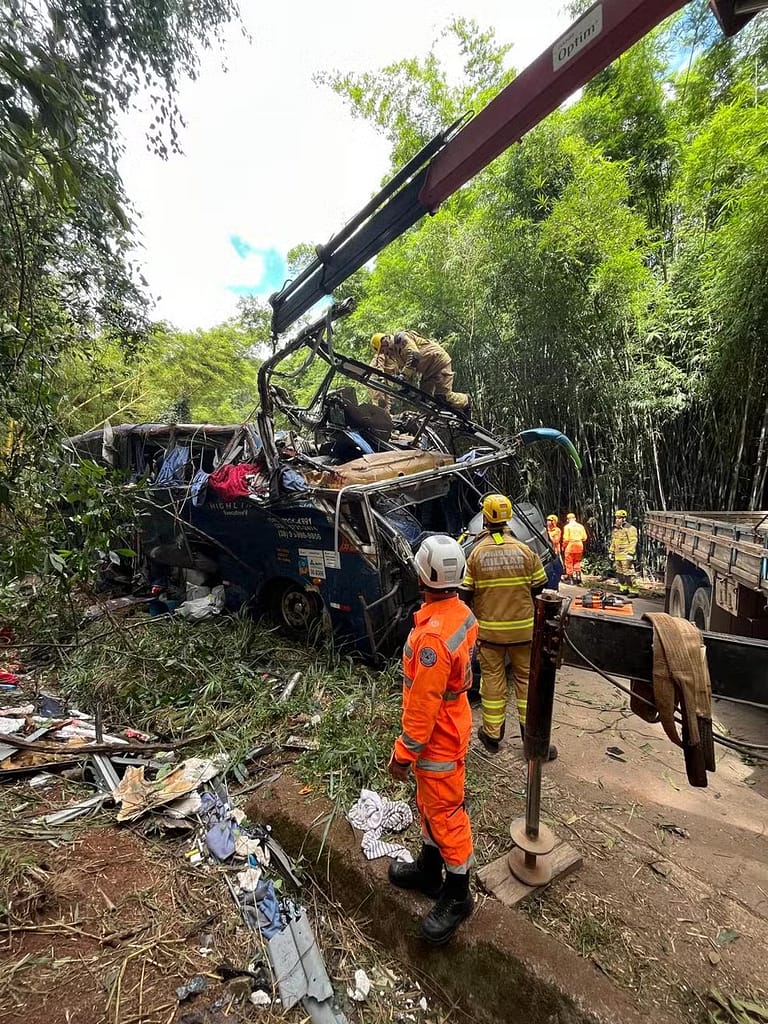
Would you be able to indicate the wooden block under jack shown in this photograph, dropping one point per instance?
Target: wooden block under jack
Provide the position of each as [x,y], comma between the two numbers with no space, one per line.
[497,879]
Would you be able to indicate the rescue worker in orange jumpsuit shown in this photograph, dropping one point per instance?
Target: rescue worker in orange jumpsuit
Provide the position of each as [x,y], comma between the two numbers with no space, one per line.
[436,728]
[503,577]
[554,533]
[574,537]
[416,356]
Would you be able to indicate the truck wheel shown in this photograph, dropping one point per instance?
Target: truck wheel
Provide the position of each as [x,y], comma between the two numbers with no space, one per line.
[298,610]
[701,607]
[684,586]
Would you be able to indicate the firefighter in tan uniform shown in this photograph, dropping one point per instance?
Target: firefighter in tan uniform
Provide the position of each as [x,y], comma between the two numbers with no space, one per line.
[622,551]
[503,577]
[416,356]
[381,361]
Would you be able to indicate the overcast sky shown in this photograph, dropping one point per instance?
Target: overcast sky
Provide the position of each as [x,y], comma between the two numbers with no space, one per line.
[270,159]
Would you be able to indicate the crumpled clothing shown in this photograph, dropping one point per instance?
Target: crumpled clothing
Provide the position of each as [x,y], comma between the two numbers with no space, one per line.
[199,488]
[373,814]
[261,910]
[203,607]
[248,879]
[172,469]
[246,847]
[221,829]
[232,482]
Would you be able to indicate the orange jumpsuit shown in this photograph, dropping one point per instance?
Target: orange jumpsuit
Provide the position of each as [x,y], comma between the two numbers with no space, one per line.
[437,722]
[574,536]
[555,537]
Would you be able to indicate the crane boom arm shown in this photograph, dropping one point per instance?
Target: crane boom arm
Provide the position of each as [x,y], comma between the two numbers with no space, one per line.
[452,158]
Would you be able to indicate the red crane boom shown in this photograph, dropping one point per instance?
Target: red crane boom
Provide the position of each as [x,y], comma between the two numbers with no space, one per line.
[451,159]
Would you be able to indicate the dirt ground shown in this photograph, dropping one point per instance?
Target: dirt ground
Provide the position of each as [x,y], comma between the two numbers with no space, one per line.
[671,901]
[672,898]
[106,922]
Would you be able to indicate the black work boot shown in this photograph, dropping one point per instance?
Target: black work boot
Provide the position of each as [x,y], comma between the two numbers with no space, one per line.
[424,875]
[552,747]
[490,743]
[454,906]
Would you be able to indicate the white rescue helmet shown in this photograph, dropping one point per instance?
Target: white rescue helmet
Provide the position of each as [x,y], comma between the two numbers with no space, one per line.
[440,563]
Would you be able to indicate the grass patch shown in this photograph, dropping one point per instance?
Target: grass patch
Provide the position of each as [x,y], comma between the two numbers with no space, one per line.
[176,680]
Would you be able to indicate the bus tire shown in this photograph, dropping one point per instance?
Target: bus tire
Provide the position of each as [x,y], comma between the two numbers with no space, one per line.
[701,608]
[297,610]
[684,586]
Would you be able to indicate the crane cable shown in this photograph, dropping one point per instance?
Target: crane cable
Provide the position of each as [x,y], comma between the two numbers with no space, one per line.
[741,746]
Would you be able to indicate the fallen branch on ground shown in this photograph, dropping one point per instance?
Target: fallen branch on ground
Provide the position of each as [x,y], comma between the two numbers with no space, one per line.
[102,748]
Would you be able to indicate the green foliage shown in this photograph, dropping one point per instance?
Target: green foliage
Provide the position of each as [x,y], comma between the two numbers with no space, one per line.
[223,677]
[72,310]
[608,275]
[411,101]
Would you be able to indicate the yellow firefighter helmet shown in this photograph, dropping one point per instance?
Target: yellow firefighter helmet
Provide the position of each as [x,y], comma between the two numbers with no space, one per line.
[497,508]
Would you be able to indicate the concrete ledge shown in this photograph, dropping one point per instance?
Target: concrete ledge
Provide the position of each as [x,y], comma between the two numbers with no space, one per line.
[498,967]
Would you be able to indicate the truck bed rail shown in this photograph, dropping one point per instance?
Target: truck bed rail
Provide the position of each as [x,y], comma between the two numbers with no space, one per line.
[733,544]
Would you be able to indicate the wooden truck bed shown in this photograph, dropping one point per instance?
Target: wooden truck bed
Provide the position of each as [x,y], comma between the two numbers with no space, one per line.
[732,544]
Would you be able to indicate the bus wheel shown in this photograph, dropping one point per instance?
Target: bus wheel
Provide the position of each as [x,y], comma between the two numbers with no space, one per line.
[298,610]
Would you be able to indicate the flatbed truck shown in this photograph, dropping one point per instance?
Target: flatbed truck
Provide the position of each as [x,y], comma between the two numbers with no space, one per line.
[716,571]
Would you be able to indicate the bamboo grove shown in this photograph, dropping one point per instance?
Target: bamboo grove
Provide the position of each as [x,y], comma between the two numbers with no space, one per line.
[608,275]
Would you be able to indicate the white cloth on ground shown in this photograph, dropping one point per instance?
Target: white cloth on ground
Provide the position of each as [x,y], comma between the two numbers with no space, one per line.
[373,814]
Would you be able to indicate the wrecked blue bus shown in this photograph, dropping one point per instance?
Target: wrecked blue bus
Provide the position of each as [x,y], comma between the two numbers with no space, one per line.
[313,513]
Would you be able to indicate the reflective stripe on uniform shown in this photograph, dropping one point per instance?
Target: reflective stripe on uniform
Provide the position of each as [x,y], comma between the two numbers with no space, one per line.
[454,694]
[454,642]
[407,681]
[460,869]
[428,765]
[408,650]
[411,744]
[504,581]
[500,624]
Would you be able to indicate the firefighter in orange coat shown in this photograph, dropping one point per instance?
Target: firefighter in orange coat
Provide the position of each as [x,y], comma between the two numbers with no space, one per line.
[436,728]
[574,538]
[554,533]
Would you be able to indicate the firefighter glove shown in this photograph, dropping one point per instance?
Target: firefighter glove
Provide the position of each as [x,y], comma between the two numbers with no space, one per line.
[397,769]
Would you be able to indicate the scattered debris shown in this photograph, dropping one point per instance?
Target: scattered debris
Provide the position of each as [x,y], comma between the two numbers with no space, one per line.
[260,998]
[193,987]
[615,754]
[138,795]
[201,608]
[289,687]
[675,830]
[88,806]
[362,987]
[372,814]
[299,968]
[727,935]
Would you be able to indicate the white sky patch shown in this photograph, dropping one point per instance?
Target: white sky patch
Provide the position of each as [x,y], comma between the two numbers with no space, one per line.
[273,159]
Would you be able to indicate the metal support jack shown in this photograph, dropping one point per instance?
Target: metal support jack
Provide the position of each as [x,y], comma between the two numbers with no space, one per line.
[534,842]
[538,856]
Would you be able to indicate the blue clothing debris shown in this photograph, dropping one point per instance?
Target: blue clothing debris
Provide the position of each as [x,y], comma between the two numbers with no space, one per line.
[199,488]
[261,910]
[172,471]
